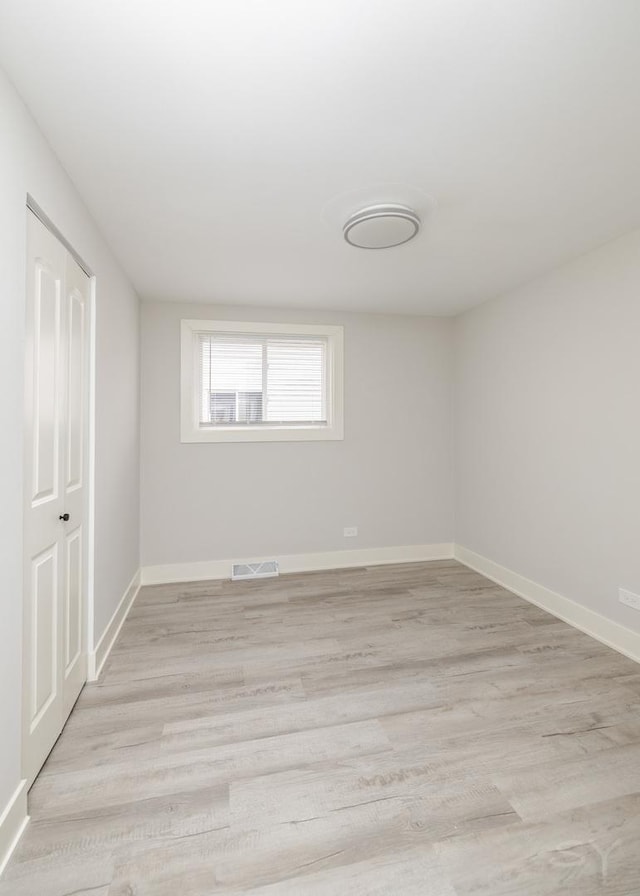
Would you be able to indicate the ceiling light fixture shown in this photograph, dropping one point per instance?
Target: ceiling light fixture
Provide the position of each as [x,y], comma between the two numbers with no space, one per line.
[381,226]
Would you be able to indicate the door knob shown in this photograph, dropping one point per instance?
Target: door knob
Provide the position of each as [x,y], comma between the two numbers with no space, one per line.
[64,516]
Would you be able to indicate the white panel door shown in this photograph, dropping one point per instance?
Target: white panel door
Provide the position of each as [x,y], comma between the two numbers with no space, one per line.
[74,491]
[55,574]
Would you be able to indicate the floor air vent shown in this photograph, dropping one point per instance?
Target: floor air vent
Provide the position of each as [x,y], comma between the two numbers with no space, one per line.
[254,570]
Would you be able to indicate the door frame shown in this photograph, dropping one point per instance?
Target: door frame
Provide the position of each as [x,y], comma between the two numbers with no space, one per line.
[88,633]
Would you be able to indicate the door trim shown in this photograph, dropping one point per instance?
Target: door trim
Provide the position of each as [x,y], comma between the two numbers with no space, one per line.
[33,206]
[91,473]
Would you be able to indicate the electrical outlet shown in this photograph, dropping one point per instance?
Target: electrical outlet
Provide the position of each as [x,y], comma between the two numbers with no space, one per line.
[350,531]
[629,598]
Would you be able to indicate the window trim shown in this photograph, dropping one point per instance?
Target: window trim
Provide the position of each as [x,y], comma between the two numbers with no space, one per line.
[192,431]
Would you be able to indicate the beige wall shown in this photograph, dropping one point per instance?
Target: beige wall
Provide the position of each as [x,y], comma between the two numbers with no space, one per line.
[27,165]
[548,429]
[391,476]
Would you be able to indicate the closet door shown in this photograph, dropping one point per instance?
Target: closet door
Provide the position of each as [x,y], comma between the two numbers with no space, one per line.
[74,490]
[54,667]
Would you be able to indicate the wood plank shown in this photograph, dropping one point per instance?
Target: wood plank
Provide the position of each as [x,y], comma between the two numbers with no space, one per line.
[391,730]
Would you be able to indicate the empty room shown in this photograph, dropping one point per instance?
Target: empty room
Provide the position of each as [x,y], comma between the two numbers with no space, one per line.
[320,463]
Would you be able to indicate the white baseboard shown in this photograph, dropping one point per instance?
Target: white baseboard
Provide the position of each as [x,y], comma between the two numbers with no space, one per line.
[605,630]
[221,569]
[98,656]
[13,821]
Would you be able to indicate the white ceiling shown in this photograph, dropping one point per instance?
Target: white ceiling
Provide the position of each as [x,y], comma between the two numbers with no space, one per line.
[220,144]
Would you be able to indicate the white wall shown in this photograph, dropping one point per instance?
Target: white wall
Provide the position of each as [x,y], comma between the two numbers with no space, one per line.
[548,429]
[391,476]
[28,165]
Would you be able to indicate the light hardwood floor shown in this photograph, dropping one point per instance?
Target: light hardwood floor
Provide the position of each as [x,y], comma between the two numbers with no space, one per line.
[397,730]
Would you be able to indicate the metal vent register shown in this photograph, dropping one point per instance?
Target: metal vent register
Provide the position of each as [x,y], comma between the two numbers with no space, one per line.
[263,570]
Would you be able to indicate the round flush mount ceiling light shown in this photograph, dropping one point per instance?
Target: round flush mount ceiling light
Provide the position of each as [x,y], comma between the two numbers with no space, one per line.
[381,226]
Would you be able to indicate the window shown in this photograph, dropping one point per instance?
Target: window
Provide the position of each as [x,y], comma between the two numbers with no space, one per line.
[260,382]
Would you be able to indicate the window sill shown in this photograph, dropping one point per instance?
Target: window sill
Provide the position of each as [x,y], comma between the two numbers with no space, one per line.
[263,434]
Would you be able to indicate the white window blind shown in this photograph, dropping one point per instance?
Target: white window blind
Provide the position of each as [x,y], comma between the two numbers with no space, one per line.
[249,380]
